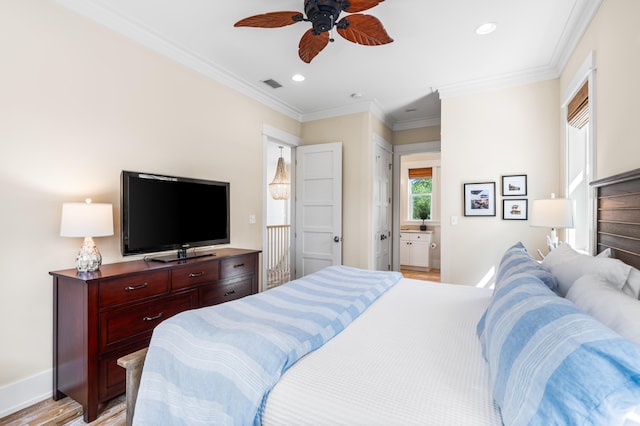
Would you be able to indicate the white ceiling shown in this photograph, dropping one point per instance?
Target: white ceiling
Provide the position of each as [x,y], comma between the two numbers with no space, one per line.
[435,50]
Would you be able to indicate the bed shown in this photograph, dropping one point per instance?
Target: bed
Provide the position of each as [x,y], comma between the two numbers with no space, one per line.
[555,342]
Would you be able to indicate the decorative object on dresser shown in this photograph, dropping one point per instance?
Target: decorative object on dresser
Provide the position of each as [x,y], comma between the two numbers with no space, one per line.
[87,220]
[101,316]
[552,213]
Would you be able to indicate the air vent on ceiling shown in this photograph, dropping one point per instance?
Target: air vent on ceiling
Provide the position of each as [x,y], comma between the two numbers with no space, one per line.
[272,83]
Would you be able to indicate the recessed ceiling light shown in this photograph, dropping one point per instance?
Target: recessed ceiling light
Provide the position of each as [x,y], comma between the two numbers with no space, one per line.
[298,77]
[486,28]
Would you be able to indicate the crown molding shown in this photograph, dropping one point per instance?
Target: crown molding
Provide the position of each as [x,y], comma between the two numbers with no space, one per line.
[99,11]
[372,107]
[567,44]
[416,124]
[497,82]
[569,41]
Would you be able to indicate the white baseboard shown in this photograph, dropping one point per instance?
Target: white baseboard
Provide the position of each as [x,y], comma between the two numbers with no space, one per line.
[26,392]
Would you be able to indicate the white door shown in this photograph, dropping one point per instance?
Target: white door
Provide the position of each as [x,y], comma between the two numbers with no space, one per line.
[318,207]
[382,208]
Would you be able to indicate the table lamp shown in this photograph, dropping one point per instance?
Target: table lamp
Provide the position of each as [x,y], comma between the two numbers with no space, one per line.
[87,220]
[552,213]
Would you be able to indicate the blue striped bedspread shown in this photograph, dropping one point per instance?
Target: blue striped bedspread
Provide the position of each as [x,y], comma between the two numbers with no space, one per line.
[216,365]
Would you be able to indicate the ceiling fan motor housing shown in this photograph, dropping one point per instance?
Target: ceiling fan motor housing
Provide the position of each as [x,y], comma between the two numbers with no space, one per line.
[323,14]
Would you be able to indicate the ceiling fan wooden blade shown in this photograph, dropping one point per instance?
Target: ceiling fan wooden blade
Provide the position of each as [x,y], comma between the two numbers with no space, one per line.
[353,6]
[270,20]
[310,45]
[363,29]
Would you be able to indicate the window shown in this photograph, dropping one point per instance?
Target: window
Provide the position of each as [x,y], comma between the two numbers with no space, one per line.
[421,191]
[578,167]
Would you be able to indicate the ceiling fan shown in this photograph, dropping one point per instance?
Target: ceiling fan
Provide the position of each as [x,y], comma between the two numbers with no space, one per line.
[358,28]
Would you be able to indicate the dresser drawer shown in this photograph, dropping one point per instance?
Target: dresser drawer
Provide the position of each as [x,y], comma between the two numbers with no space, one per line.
[235,266]
[134,323]
[195,274]
[227,290]
[131,288]
[112,376]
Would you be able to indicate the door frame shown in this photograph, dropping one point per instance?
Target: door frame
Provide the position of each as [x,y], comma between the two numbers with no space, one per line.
[273,135]
[399,151]
[380,142]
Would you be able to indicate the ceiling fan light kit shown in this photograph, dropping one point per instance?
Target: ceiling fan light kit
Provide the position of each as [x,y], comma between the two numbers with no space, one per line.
[356,27]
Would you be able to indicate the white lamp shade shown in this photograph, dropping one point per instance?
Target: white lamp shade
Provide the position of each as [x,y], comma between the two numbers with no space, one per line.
[552,213]
[86,220]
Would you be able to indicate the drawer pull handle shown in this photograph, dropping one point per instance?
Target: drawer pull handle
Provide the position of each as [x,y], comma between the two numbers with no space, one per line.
[229,293]
[136,287]
[196,274]
[153,318]
[239,265]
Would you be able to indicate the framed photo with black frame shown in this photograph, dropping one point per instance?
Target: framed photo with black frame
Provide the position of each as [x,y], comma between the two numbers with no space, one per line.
[480,199]
[514,185]
[515,208]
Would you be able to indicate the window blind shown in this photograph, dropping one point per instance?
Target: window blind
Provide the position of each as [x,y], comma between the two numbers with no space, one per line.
[421,173]
[578,109]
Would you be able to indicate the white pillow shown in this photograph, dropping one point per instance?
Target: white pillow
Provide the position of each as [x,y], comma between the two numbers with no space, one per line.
[632,286]
[562,254]
[595,296]
[567,265]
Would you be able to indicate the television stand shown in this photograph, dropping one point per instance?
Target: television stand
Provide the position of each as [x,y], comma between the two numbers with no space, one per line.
[180,255]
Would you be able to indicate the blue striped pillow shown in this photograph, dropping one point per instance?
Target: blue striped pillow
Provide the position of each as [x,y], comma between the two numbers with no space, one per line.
[552,364]
[517,260]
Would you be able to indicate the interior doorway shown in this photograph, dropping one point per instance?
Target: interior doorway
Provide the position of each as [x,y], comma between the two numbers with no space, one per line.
[278,254]
[416,156]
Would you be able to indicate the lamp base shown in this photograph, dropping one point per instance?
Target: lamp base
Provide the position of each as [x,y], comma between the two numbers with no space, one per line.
[89,258]
[552,240]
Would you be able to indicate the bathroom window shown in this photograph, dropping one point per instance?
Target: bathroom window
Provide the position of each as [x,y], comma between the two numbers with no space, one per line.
[421,193]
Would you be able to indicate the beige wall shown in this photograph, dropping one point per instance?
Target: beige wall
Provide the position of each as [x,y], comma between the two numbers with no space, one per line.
[424,134]
[355,131]
[614,36]
[485,136]
[79,104]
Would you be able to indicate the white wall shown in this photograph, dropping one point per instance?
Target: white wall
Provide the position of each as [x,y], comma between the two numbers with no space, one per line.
[484,136]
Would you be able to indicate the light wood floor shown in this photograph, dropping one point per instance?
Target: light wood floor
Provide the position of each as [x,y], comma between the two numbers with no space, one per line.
[432,275]
[67,412]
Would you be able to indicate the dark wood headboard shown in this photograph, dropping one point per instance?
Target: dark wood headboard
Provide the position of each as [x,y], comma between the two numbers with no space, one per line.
[618,216]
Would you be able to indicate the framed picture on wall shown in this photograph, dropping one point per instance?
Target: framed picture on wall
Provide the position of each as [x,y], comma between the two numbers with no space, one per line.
[480,199]
[514,185]
[515,209]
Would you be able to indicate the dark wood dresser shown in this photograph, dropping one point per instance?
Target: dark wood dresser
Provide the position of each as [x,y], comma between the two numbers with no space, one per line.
[100,316]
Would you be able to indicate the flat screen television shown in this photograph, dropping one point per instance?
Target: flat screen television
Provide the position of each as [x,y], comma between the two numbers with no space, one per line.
[162,213]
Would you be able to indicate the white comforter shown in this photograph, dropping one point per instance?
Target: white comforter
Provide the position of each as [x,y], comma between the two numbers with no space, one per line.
[412,358]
